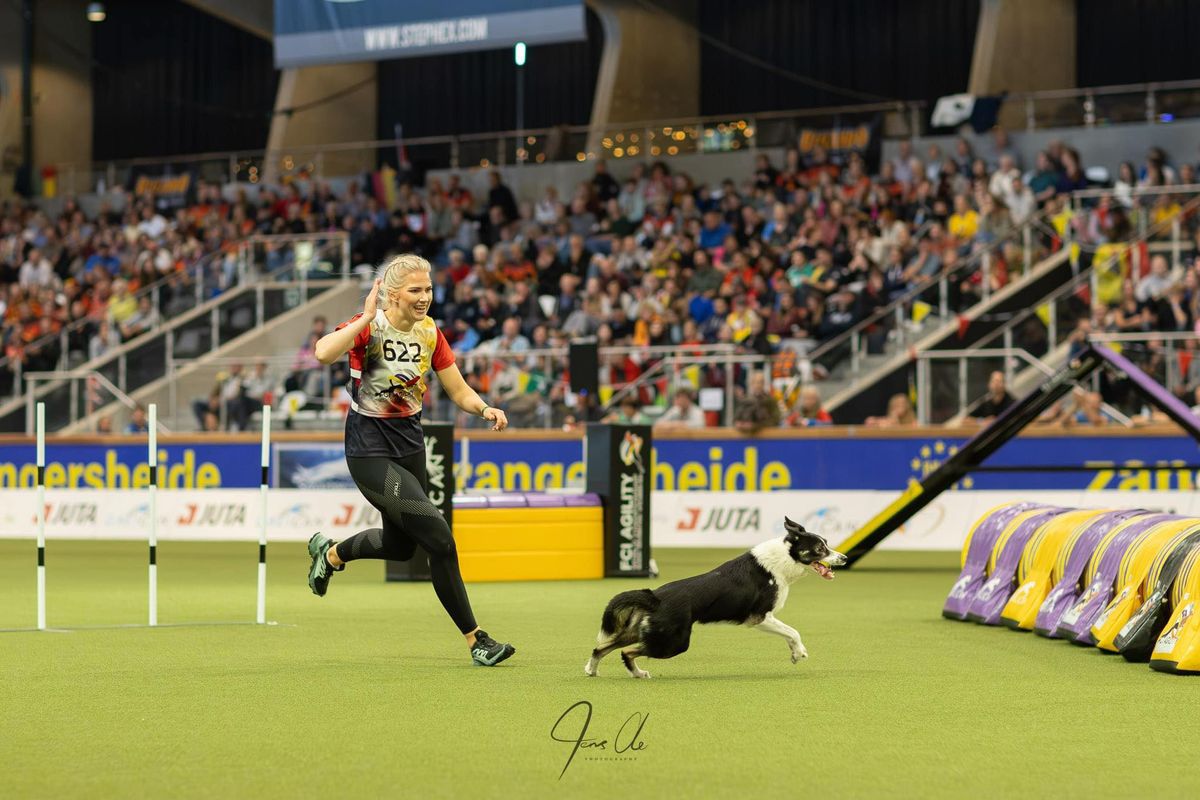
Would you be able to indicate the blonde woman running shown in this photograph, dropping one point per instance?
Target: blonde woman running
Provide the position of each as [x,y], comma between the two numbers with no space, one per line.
[392,344]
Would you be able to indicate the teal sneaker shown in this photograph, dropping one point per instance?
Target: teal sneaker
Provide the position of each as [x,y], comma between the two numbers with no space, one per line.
[321,570]
[487,652]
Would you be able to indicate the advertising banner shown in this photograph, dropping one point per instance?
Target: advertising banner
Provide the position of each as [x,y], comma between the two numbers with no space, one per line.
[618,472]
[1153,462]
[677,519]
[332,31]
[849,133]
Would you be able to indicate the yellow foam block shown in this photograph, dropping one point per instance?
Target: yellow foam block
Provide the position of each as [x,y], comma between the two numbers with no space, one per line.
[534,565]
[530,544]
[490,530]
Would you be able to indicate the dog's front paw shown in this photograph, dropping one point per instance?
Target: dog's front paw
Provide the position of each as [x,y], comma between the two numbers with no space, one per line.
[590,668]
[641,673]
[799,653]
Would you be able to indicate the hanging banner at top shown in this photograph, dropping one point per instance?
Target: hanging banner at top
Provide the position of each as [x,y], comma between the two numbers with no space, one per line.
[333,31]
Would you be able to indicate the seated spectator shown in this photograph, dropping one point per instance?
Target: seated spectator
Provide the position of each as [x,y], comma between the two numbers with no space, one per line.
[510,340]
[1044,183]
[307,372]
[757,408]
[1155,285]
[104,341]
[36,272]
[899,414]
[245,394]
[964,222]
[628,412]
[103,259]
[996,402]
[1088,411]
[137,421]
[809,412]
[122,305]
[145,319]
[683,414]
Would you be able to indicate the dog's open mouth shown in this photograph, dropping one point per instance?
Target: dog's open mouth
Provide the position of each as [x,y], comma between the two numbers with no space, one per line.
[822,570]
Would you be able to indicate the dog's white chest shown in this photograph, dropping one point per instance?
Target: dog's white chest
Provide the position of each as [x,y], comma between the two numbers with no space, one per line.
[781,595]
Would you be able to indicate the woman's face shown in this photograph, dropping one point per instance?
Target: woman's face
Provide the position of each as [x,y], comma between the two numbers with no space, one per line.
[412,299]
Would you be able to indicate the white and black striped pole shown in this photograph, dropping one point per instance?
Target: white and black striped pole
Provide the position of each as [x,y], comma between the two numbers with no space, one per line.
[41,516]
[153,454]
[261,616]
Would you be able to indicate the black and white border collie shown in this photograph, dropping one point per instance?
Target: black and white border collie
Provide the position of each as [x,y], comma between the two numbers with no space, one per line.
[749,590]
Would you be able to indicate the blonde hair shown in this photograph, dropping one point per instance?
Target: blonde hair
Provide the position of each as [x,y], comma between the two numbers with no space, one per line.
[395,272]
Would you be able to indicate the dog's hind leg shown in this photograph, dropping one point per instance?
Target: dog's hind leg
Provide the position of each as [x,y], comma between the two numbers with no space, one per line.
[629,656]
[771,624]
[605,644]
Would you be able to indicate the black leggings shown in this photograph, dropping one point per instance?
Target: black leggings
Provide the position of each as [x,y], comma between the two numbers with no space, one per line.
[396,487]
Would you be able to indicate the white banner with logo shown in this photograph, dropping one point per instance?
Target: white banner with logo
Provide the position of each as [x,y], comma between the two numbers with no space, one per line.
[742,519]
[195,514]
[678,519]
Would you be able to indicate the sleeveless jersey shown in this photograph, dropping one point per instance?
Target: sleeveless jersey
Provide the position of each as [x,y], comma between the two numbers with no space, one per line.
[387,385]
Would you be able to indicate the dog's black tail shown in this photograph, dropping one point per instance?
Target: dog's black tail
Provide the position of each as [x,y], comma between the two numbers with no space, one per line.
[621,607]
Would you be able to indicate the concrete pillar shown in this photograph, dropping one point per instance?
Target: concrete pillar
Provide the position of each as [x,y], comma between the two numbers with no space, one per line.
[62,90]
[650,68]
[1023,46]
[350,117]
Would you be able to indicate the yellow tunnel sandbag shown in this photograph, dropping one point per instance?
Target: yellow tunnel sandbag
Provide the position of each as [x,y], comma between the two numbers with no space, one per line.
[1178,646]
[1089,574]
[1132,578]
[530,544]
[1038,560]
[1182,589]
[1007,533]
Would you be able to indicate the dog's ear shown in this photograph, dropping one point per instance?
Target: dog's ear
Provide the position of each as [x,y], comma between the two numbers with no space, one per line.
[792,528]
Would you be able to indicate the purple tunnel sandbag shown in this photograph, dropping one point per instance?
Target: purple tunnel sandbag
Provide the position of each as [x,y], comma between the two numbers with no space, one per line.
[1077,622]
[992,596]
[974,571]
[1065,593]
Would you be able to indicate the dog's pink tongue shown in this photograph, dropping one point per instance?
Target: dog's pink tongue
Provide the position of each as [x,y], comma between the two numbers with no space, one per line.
[824,571]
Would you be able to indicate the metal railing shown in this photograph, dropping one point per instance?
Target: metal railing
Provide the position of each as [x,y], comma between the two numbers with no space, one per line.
[1141,209]
[639,140]
[194,333]
[1160,101]
[310,395]
[1171,357]
[989,360]
[206,279]
[895,315]
[1049,322]
[88,391]
[648,139]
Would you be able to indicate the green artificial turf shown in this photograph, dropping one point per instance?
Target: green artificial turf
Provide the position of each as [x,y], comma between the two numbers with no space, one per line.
[368,692]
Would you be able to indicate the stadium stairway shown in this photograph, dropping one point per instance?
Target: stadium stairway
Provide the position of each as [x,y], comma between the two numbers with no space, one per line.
[280,336]
[851,400]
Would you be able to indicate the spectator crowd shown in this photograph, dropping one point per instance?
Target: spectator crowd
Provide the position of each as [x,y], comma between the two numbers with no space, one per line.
[777,263]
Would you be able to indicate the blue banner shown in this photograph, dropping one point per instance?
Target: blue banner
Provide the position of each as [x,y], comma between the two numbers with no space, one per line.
[124,466]
[332,31]
[764,464]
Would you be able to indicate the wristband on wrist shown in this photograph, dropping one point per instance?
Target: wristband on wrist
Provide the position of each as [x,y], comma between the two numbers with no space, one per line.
[483,410]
